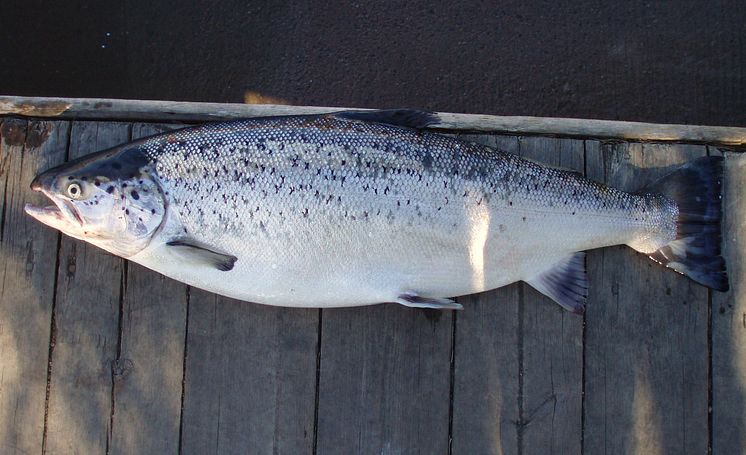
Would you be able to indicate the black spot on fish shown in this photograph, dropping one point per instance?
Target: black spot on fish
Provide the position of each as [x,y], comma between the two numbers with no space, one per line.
[97,182]
[134,195]
[127,211]
[110,189]
[427,161]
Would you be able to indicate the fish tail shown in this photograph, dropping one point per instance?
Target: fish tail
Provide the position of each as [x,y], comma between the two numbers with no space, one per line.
[695,251]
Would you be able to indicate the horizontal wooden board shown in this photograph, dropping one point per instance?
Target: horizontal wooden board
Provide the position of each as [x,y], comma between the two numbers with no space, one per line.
[108,109]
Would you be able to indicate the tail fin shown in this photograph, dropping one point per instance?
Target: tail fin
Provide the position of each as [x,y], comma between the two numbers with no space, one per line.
[696,189]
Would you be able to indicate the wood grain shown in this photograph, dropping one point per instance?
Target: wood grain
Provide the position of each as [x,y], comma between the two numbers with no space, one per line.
[148,372]
[646,359]
[487,367]
[504,376]
[729,321]
[384,381]
[87,324]
[108,109]
[552,341]
[28,254]
[250,377]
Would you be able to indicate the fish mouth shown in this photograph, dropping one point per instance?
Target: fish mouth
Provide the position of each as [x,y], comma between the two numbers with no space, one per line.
[62,215]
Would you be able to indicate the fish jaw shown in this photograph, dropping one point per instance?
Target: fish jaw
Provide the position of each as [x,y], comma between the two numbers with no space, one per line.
[61,216]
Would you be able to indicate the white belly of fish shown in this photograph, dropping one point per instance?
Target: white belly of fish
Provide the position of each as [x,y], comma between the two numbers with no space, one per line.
[329,264]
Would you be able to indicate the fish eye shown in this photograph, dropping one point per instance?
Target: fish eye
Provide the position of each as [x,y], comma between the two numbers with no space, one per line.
[74,190]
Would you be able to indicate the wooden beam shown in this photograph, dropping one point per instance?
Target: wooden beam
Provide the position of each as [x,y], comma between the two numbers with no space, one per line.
[148,371]
[28,253]
[729,321]
[487,364]
[384,380]
[98,109]
[250,379]
[87,324]
[552,360]
[646,348]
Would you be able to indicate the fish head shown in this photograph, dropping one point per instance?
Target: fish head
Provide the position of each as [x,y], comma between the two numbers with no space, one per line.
[110,199]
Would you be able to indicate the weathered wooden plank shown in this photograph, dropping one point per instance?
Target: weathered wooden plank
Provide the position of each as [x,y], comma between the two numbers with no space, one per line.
[486,384]
[91,108]
[729,321]
[250,382]
[384,380]
[148,373]
[646,351]
[87,325]
[28,252]
[552,342]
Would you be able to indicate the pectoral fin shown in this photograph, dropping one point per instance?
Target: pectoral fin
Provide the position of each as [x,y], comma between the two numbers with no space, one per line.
[416,301]
[566,283]
[198,253]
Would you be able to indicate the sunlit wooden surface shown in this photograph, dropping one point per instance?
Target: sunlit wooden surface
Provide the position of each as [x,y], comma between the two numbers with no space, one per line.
[98,355]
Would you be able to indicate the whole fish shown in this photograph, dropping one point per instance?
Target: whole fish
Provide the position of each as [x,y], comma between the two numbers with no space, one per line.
[358,208]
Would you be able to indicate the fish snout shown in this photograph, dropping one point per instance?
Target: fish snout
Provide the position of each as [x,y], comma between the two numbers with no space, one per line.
[41,181]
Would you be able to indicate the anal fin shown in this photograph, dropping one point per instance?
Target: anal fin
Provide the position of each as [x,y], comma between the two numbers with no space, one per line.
[566,283]
[416,301]
[196,252]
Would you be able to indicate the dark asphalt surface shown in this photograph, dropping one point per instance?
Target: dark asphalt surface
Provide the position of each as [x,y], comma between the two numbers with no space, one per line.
[682,62]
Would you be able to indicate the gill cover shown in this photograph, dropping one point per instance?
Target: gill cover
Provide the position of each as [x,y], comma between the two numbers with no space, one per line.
[110,199]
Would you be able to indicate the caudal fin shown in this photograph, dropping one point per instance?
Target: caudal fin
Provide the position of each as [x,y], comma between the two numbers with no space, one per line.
[696,187]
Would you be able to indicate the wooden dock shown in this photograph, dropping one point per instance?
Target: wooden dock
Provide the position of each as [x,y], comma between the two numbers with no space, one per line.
[102,356]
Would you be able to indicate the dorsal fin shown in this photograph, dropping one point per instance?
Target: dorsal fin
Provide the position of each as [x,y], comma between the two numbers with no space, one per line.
[409,118]
[566,283]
